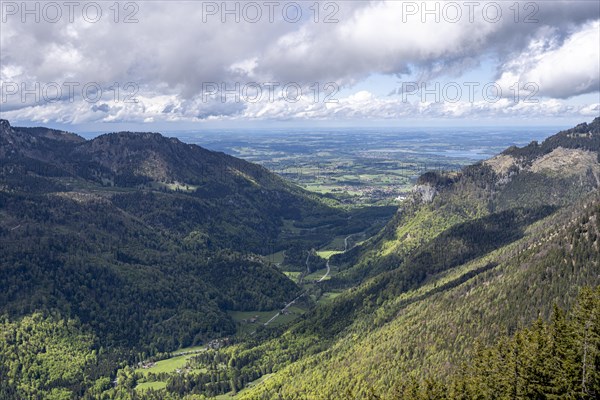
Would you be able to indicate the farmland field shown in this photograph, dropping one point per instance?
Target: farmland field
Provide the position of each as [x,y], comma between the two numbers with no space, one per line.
[361,166]
[327,253]
[151,385]
[168,365]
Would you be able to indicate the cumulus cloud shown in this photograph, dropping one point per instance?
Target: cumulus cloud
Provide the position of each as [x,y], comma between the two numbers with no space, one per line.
[558,69]
[360,105]
[391,38]
[175,48]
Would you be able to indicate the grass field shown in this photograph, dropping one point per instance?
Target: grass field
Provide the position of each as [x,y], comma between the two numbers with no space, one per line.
[151,385]
[328,253]
[293,275]
[328,297]
[315,276]
[168,365]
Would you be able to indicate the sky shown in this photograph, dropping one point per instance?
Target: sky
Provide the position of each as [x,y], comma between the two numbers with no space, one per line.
[181,65]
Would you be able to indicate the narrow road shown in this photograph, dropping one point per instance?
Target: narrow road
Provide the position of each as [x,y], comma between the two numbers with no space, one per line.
[303,293]
[299,296]
[326,273]
[307,267]
[346,243]
[284,308]
[272,318]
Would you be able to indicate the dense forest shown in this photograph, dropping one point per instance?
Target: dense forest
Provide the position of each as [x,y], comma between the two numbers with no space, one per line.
[148,254]
[144,244]
[120,250]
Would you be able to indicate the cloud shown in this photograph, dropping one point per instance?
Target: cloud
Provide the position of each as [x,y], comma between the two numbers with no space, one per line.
[382,37]
[174,50]
[362,105]
[558,70]
[102,108]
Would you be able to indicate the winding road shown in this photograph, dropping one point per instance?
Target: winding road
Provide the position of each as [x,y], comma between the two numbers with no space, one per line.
[326,273]
[308,272]
[346,243]
[284,308]
[301,294]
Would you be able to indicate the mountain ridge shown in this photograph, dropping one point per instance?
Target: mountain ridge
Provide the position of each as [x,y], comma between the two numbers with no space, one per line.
[141,219]
[469,257]
[425,289]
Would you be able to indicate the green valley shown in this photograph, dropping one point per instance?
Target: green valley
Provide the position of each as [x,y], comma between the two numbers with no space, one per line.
[117,251]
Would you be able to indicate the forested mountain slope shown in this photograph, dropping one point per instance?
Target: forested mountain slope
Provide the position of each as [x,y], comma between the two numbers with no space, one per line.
[472,256]
[400,340]
[552,174]
[555,359]
[172,186]
[456,280]
[146,240]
